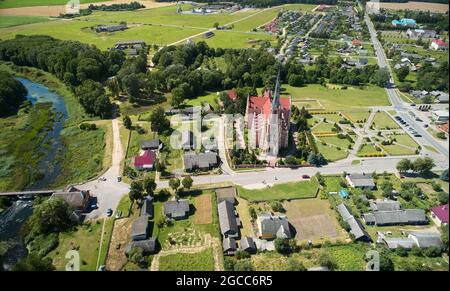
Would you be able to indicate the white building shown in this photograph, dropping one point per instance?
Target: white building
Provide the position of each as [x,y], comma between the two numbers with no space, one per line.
[439,116]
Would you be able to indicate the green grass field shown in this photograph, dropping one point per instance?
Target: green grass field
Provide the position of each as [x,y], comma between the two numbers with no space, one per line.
[367,149]
[30,3]
[338,99]
[332,153]
[383,121]
[334,140]
[8,21]
[210,98]
[357,115]
[323,127]
[80,30]
[202,261]
[296,190]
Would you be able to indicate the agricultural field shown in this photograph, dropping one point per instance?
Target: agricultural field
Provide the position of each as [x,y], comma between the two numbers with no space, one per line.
[413,5]
[339,99]
[31,3]
[8,21]
[295,190]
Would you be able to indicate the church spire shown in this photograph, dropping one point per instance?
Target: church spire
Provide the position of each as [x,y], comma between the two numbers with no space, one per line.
[276,92]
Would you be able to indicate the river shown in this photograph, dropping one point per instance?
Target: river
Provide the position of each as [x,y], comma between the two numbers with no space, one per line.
[12,219]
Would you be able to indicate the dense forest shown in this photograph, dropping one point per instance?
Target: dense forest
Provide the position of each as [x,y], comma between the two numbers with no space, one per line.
[12,94]
[82,67]
[266,3]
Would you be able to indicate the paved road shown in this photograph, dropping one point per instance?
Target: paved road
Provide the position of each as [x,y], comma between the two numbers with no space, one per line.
[398,104]
[109,192]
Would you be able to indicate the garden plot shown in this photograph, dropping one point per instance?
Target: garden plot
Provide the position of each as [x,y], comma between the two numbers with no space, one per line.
[312,220]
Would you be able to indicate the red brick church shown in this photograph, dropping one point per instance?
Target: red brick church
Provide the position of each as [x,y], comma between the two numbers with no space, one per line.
[268,121]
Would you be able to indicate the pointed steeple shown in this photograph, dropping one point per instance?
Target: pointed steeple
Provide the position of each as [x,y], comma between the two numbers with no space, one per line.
[276,93]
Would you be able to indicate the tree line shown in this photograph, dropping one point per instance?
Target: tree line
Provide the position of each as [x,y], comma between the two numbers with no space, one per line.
[265,3]
[12,94]
[83,68]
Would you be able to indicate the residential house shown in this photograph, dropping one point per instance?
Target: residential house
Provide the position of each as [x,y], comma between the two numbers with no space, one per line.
[356,43]
[145,161]
[226,194]
[356,228]
[139,228]
[78,199]
[438,44]
[396,217]
[439,214]
[229,246]
[153,144]
[362,181]
[271,227]
[136,44]
[176,209]
[200,161]
[228,221]
[414,239]
[384,205]
[110,28]
[420,33]
[148,246]
[248,245]
[147,207]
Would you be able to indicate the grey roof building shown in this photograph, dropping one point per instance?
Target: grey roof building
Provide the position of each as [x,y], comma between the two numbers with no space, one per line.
[356,228]
[229,245]
[153,144]
[228,194]
[361,180]
[200,161]
[426,240]
[384,205]
[147,246]
[147,207]
[76,198]
[414,239]
[271,227]
[227,219]
[395,217]
[248,245]
[176,209]
[139,229]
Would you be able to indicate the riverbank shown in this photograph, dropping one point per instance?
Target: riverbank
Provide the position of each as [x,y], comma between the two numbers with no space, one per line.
[83,156]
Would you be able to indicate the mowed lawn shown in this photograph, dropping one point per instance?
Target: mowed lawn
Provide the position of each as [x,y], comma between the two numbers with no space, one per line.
[8,20]
[169,16]
[383,121]
[339,99]
[332,153]
[80,31]
[295,190]
[31,3]
[201,261]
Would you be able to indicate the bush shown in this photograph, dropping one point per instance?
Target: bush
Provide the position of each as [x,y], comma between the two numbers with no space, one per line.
[277,206]
[402,252]
[285,246]
[88,126]
[433,252]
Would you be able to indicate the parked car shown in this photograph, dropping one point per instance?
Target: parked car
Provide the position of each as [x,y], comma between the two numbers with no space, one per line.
[102,179]
[119,179]
[413,104]
[425,125]
[109,212]
[306,176]
[94,206]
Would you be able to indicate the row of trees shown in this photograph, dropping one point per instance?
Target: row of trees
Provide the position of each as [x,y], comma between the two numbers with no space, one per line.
[12,94]
[420,165]
[82,67]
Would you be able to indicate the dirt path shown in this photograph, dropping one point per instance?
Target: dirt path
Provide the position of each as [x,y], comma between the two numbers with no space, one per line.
[56,10]
[208,242]
[101,243]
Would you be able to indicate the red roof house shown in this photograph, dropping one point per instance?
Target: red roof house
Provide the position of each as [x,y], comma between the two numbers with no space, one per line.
[438,44]
[145,161]
[356,42]
[440,213]
[232,95]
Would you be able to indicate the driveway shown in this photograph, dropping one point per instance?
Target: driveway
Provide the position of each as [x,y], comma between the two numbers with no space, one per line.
[109,192]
